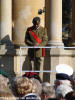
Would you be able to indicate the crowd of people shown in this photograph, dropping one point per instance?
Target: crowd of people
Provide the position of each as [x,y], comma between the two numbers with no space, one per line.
[31,87]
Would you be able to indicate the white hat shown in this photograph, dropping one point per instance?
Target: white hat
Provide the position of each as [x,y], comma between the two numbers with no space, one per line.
[65,69]
[63,89]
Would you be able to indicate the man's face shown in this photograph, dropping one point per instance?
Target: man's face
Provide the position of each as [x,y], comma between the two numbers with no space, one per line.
[36,23]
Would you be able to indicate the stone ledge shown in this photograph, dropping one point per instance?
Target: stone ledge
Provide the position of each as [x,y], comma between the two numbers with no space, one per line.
[13,52]
[62,52]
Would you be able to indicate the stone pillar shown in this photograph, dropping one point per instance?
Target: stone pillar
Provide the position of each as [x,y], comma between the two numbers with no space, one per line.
[6,19]
[23,13]
[73,22]
[54,22]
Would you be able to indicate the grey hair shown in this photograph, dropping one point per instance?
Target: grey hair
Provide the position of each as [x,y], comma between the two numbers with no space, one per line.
[48,90]
[62,90]
[4,80]
[38,86]
[5,91]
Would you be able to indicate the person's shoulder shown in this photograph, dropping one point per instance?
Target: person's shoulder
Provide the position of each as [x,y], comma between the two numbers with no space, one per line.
[43,28]
[29,28]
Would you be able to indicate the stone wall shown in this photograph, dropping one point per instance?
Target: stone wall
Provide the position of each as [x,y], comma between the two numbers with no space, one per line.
[23,11]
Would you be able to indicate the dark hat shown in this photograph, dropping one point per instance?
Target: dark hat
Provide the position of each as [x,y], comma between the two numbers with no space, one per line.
[36,20]
[62,76]
[30,96]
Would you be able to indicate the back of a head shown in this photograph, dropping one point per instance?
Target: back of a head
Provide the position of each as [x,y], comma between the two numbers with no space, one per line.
[24,86]
[63,74]
[3,80]
[48,90]
[62,90]
[38,86]
[5,92]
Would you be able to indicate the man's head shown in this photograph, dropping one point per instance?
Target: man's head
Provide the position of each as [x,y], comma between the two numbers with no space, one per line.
[24,86]
[63,74]
[36,21]
[62,90]
[47,92]
[38,86]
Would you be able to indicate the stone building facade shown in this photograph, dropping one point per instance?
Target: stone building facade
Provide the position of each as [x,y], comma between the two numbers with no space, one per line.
[15,17]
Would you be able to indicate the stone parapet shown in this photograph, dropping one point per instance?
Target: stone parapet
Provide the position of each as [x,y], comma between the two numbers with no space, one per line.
[13,52]
[61,56]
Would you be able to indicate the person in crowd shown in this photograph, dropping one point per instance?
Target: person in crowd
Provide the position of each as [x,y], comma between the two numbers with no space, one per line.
[63,83]
[36,35]
[5,92]
[63,75]
[38,86]
[70,96]
[48,92]
[25,89]
[62,90]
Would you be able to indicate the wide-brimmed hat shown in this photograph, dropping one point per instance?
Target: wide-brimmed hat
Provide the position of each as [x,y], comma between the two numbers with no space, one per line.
[64,69]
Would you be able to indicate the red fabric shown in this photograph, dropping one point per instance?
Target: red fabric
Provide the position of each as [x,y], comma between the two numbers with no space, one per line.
[31,74]
[43,51]
[35,36]
[38,40]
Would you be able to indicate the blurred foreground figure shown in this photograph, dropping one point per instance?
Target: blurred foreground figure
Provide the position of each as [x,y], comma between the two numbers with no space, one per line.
[38,86]
[63,75]
[62,91]
[48,92]
[5,92]
[26,89]
[63,83]
[70,96]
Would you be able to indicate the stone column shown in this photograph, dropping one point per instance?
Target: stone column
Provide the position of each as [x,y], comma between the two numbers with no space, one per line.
[73,22]
[6,19]
[23,13]
[54,22]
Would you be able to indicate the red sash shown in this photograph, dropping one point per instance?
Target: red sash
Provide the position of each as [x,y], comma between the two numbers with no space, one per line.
[38,40]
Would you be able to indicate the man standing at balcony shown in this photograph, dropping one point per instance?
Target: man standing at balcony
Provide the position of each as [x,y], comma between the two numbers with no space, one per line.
[36,36]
